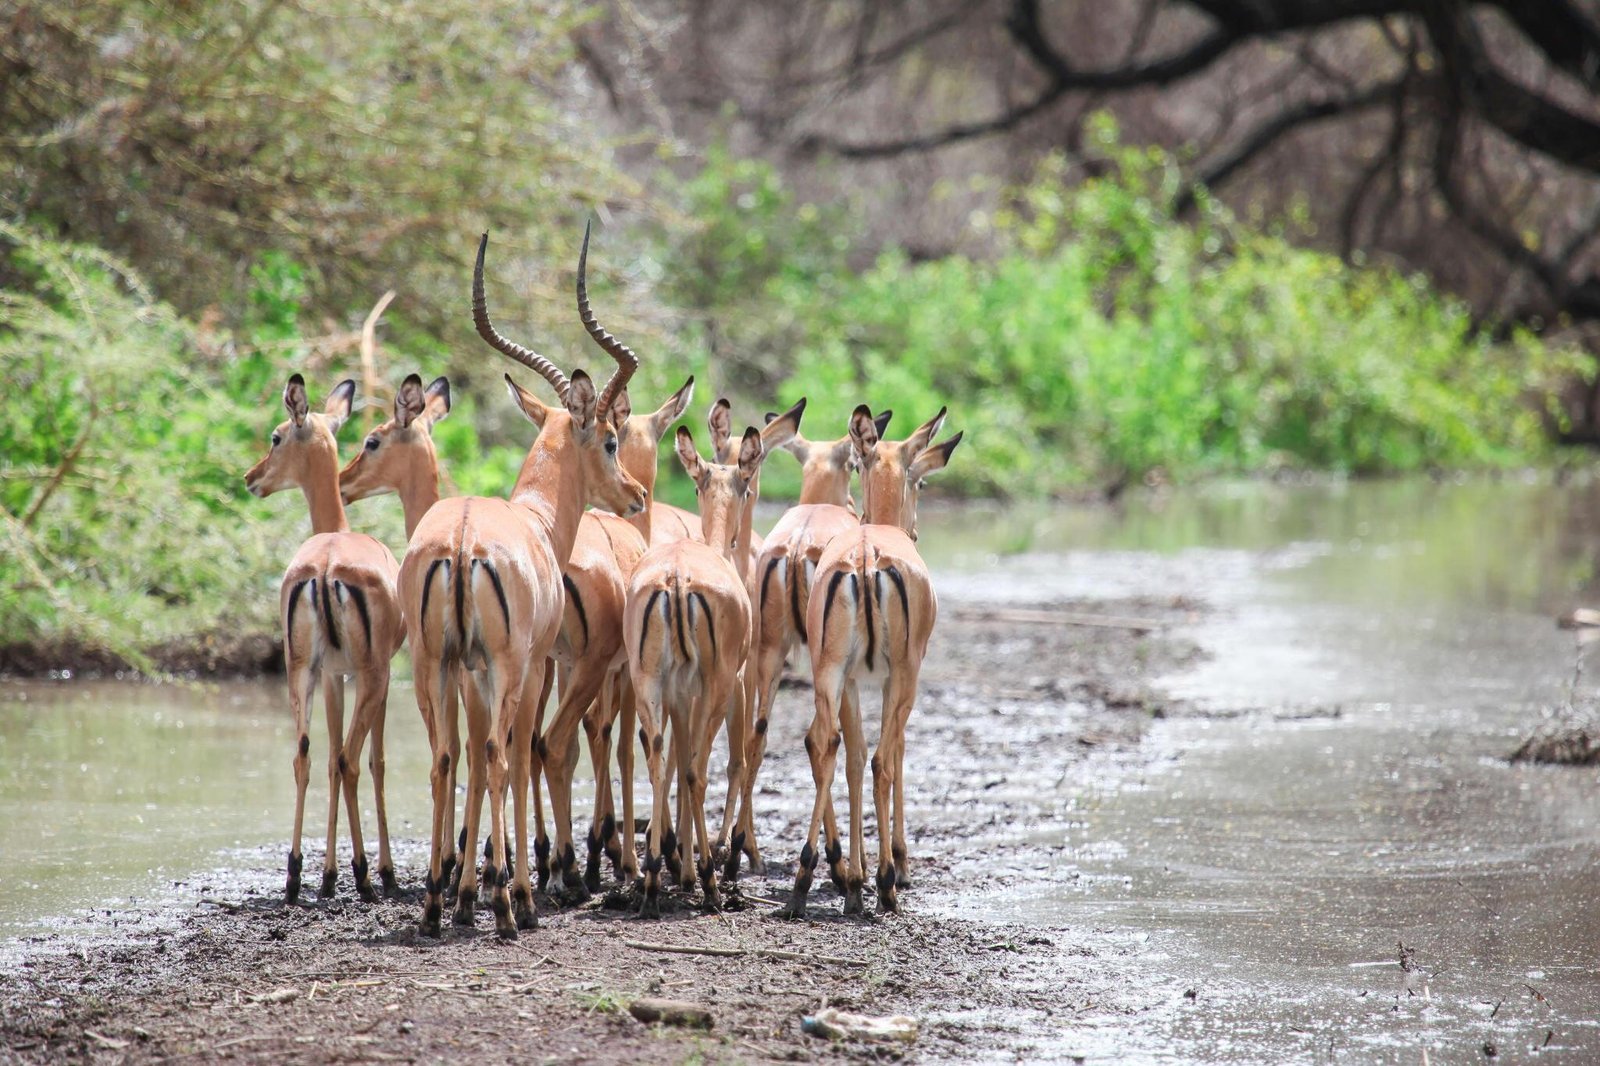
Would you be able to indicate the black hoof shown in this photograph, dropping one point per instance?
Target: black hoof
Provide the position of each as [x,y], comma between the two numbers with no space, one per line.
[291,884]
[522,906]
[902,879]
[451,874]
[835,856]
[541,852]
[650,906]
[887,903]
[431,915]
[793,911]
[853,903]
[329,879]
[710,900]
[466,907]
[386,878]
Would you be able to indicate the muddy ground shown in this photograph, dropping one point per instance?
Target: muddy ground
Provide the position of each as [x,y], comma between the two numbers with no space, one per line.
[238,975]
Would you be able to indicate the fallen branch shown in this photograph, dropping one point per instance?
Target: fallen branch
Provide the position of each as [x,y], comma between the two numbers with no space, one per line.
[734,953]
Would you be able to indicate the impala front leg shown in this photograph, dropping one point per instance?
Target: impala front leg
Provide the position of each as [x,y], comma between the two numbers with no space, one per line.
[302,690]
[855,760]
[521,781]
[628,872]
[648,709]
[822,746]
[386,878]
[430,680]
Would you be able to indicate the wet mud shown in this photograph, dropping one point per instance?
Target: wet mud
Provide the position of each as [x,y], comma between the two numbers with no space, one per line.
[230,972]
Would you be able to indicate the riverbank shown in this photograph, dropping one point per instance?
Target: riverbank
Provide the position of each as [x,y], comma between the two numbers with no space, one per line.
[1010,703]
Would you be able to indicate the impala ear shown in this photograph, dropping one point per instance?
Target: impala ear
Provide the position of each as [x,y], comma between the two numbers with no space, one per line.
[409,401]
[924,433]
[582,403]
[882,422]
[673,409]
[863,431]
[786,427]
[527,403]
[934,458]
[751,452]
[720,422]
[621,408]
[294,399]
[438,396]
[689,455]
[336,408]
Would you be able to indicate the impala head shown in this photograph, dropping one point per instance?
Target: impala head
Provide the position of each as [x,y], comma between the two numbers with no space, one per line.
[892,472]
[639,436]
[826,466]
[778,431]
[584,416]
[303,447]
[400,451]
[722,488]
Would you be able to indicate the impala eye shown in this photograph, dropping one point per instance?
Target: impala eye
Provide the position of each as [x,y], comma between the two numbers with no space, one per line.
[611,446]
[277,439]
[373,442]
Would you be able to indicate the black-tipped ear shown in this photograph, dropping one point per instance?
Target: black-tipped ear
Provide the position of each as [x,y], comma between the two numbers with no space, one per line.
[336,408]
[719,420]
[882,422]
[689,455]
[863,430]
[438,394]
[582,403]
[781,430]
[935,457]
[769,417]
[409,401]
[294,399]
[621,408]
[926,432]
[529,404]
[673,409]
[751,452]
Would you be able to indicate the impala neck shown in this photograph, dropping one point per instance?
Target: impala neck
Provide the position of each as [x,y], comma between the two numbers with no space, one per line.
[420,492]
[717,526]
[321,487]
[551,485]
[883,500]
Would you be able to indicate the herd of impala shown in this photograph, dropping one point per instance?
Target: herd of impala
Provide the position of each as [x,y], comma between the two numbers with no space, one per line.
[634,609]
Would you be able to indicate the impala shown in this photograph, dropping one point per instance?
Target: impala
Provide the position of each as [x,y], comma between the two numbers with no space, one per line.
[482,591]
[688,632]
[869,616]
[340,616]
[782,586]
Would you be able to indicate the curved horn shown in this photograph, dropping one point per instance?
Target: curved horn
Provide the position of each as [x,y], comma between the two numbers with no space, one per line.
[528,358]
[627,362]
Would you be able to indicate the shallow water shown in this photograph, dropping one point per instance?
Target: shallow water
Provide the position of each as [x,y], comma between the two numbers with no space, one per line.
[1385,646]
[1374,651]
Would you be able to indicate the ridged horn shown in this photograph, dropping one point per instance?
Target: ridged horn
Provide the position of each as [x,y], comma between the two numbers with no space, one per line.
[627,362]
[527,357]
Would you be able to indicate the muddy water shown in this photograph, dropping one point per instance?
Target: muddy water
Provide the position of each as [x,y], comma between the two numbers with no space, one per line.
[1338,790]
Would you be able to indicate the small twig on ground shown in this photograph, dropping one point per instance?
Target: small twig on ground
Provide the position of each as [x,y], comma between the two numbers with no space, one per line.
[734,953]
[1057,618]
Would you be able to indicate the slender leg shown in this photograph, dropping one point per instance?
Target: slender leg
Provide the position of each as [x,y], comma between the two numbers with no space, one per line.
[302,690]
[431,680]
[597,725]
[897,699]
[855,760]
[737,713]
[522,779]
[822,745]
[628,872]
[557,746]
[768,669]
[391,887]
[451,713]
[371,688]
[333,705]
[478,726]
[902,863]
[541,841]
[648,709]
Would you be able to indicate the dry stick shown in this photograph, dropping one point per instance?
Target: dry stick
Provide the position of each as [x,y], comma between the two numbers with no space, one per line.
[369,365]
[1058,618]
[733,953]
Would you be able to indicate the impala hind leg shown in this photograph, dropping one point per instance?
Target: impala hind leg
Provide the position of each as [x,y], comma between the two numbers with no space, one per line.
[478,726]
[372,688]
[822,746]
[333,708]
[430,681]
[598,721]
[648,709]
[541,841]
[558,748]
[764,686]
[903,706]
[302,690]
[628,872]
[451,717]
[523,769]
[736,711]
[855,760]
[898,695]
[391,887]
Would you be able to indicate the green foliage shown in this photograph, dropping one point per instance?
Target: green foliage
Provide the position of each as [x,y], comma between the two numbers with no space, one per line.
[1107,340]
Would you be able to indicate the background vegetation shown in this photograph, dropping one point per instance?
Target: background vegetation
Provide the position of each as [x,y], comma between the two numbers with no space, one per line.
[200,200]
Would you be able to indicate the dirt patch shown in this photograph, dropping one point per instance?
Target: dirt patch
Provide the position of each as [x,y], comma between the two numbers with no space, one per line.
[236,974]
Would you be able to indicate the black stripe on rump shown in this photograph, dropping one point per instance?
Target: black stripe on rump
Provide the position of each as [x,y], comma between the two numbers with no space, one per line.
[576,600]
[796,573]
[827,604]
[462,576]
[294,600]
[332,633]
[360,598]
[711,626]
[866,596]
[649,611]
[677,610]
[427,585]
[765,577]
[905,603]
[499,592]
